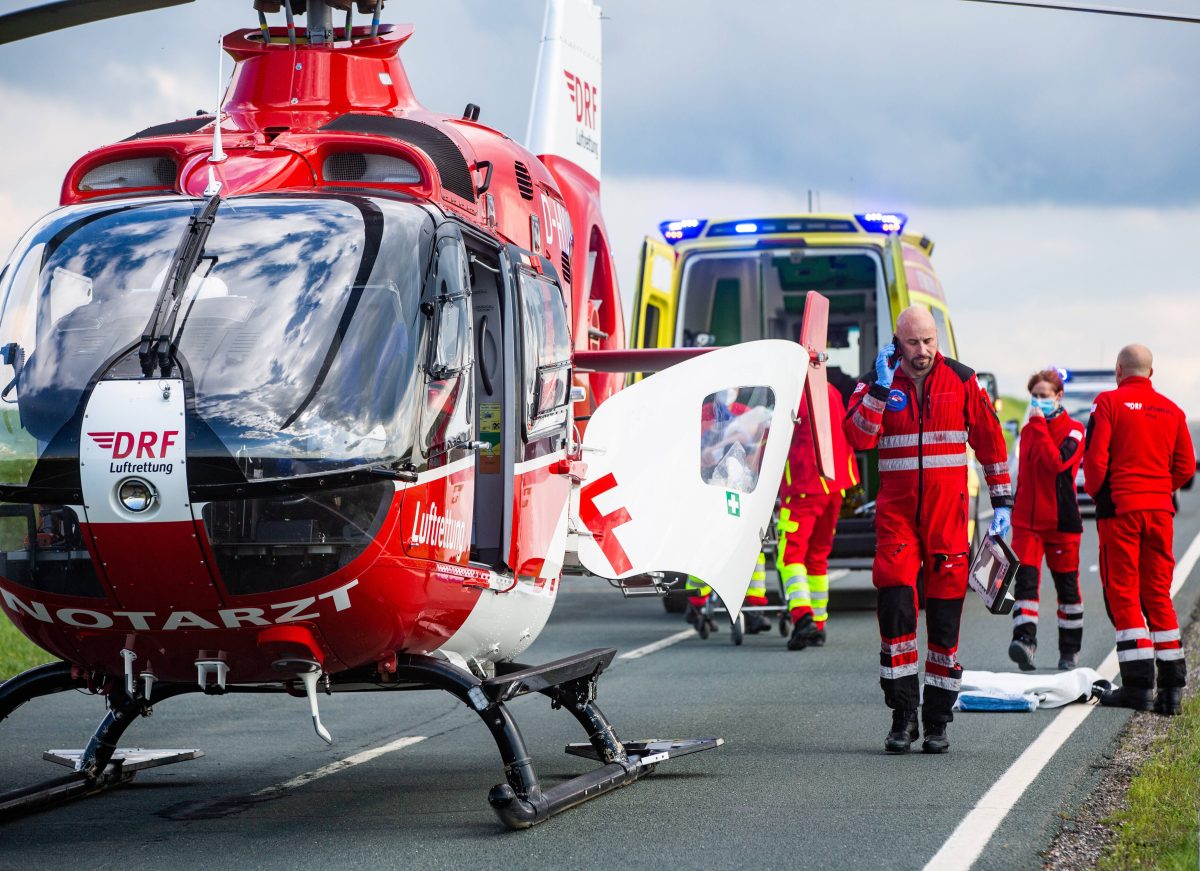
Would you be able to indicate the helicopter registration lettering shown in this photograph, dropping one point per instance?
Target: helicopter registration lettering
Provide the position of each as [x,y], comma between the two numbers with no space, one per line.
[308,608]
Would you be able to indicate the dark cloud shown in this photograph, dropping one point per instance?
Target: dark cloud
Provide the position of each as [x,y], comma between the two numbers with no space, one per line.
[888,101]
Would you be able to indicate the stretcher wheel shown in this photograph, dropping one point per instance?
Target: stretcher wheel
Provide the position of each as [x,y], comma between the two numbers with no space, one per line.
[785,628]
[738,630]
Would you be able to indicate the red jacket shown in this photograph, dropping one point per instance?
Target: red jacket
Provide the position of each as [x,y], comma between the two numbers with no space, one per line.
[800,475]
[1139,450]
[1051,450]
[927,440]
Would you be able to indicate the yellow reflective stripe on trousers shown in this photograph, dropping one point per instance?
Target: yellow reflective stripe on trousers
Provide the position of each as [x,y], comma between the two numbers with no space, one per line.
[697,586]
[818,589]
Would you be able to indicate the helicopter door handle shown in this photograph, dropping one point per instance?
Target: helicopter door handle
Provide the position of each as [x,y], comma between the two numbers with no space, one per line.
[486,166]
[477,446]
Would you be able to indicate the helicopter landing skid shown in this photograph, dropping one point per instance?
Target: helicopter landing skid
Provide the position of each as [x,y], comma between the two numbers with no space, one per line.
[100,765]
[569,683]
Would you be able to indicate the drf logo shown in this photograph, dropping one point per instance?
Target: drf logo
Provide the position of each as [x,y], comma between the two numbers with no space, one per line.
[122,444]
[1133,406]
[733,503]
[586,99]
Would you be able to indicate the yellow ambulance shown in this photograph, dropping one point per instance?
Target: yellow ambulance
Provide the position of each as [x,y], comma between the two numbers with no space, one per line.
[715,282]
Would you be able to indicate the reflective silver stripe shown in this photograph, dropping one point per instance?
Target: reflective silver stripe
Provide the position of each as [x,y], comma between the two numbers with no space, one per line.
[912,439]
[908,440]
[1026,605]
[939,461]
[1077,435]
[1024,618]
[1166,635]
[1069,624]
[941,659]
[864,424]
[872,403]
[902,647]
[1132,634]
[947,683]
[1072,609]
[996,469]
[898,671]
[1136,653]
[819,613]
[1000,490]
[1169,655]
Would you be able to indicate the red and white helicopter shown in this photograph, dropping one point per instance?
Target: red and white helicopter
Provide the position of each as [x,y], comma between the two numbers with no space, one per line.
[290,393]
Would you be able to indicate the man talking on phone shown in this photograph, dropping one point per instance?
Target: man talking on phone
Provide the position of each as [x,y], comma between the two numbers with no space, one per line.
[921,411]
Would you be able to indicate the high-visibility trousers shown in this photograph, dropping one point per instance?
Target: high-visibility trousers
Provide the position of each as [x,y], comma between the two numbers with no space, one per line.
[938,548]
[806,528]
[1061,553]
[1137,564]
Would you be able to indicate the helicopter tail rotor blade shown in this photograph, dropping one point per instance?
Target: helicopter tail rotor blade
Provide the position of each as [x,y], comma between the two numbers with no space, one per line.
[1098,10]
[67,13]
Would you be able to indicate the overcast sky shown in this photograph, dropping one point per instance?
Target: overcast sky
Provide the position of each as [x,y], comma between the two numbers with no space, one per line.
[1053,157]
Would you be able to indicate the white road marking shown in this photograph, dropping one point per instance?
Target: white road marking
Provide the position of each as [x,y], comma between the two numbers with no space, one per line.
[639,652]
[342,764]
[967,841]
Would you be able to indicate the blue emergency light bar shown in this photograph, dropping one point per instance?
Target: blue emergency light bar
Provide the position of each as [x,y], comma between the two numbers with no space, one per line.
[882,222]
[678,231]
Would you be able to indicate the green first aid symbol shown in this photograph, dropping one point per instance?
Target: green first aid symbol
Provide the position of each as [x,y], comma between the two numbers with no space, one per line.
[733,503]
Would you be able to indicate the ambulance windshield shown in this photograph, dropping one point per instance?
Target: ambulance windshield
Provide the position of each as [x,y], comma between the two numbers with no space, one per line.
[740,296]
[297,333]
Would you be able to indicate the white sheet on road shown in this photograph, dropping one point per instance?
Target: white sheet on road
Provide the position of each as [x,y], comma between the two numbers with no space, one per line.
[1024,691]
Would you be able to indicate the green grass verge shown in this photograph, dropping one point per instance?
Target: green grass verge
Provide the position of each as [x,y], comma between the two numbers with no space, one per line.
[1159,828]
[17,652]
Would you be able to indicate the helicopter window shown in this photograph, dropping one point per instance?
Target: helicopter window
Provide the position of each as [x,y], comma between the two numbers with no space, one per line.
[42,548]
[734,424]
[446,418]
[299,330]
[547,353]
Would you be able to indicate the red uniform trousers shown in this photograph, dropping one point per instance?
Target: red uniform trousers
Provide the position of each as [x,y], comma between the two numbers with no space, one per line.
[806,529]
[1061,553]
[937,547]
[1137,565]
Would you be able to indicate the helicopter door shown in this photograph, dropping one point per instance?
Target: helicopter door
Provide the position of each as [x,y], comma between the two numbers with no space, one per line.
[494,397]
[541,492]
[683,467]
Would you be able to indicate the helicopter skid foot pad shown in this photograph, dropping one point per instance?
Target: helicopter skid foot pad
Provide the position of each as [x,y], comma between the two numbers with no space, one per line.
[134,759]
[652,751]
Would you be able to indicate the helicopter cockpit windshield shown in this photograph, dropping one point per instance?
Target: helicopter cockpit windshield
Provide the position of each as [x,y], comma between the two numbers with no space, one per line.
[298,335]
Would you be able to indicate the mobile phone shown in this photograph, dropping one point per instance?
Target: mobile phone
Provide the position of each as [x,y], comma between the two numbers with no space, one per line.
[894,360]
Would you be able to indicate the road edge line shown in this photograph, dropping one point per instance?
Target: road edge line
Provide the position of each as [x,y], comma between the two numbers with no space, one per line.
[968,840]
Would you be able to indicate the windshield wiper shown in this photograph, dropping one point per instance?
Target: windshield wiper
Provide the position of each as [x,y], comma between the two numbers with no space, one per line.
[155,347]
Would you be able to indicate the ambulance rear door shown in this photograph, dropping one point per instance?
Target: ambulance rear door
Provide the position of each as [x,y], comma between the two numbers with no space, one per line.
[654,310]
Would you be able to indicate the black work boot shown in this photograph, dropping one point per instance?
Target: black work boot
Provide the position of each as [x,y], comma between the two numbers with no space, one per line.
[935,738]
[818,639]
[756,623]
[803,633]
[1021,652]
[1068,659]
[904,732]
[1169,701]
[1137,698]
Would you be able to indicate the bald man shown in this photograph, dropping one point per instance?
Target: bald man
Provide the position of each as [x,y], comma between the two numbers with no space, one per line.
[921,416]
[1137,452]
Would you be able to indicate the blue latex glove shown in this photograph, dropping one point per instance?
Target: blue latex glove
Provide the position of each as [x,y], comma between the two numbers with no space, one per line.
[1001,522]
[883,372]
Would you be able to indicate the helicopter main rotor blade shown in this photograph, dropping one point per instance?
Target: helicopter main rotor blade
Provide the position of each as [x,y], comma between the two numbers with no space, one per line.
[1099,10]
[68,13]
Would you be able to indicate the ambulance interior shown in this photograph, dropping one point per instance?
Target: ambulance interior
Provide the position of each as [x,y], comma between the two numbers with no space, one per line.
[726,298]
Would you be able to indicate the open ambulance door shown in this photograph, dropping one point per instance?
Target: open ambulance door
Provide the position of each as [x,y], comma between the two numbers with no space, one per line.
[683,467]
[654,321]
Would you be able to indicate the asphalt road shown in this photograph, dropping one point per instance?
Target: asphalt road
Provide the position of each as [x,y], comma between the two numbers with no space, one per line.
[801,782]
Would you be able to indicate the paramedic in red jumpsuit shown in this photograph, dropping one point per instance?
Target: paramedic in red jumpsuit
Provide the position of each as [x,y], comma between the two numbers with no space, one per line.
[1046,522]
[1138,452]
[922,416]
